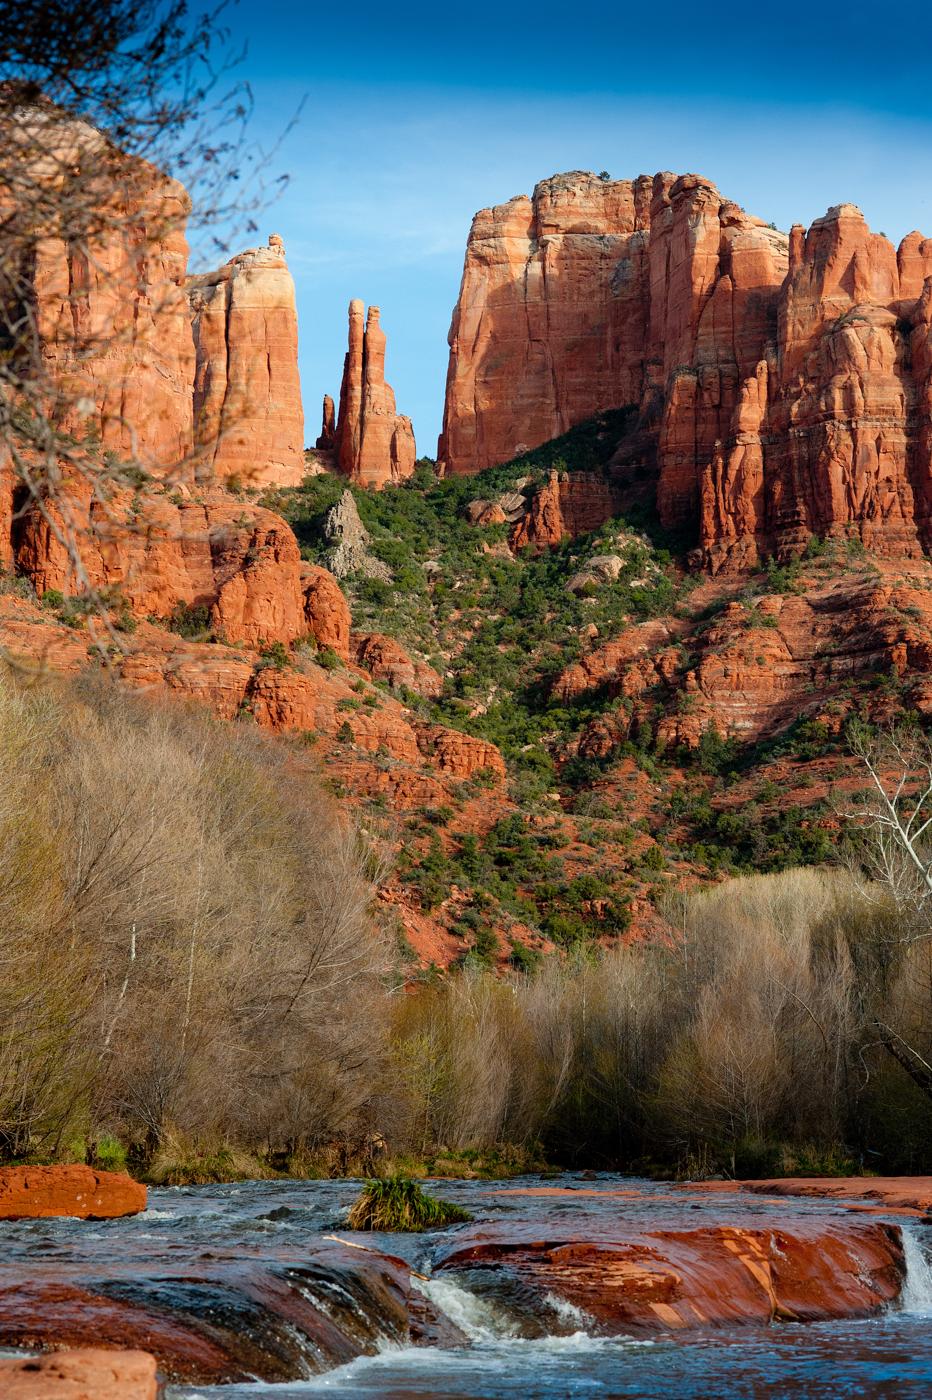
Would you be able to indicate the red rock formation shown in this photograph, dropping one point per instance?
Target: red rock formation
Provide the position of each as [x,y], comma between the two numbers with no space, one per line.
[29,1193]
[248,418]
[157,550]
[88,1374]
[458,754]
[115,326]
[110,310]
[328,427]
[911,1195]
[566,505]
[666,1279]
[239,1322]
[551,322]
[375,444]
[386,661]
[783,386]
[326,609]
[607,664]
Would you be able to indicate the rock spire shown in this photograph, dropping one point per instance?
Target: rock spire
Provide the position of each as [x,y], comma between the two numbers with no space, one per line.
[374,443]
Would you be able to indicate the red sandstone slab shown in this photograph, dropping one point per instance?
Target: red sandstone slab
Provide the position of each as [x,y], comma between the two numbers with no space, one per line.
[89,1374]
[29,1193]
[666,1279]
[902,1194]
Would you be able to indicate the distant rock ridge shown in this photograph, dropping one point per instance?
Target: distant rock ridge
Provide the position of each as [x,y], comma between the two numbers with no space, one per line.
[374,443]
[783,383]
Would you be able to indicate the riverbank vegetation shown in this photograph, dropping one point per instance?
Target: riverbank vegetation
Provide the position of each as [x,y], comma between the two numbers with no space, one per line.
[397,1203]
[186,947]
[194,984]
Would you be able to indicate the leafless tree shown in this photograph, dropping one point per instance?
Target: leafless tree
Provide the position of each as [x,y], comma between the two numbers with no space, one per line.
[892,830]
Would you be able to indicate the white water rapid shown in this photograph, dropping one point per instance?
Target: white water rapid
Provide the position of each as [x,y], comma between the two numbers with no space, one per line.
[917,1290]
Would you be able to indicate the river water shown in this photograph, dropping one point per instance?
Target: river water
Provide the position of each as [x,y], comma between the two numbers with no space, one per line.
[251,1226]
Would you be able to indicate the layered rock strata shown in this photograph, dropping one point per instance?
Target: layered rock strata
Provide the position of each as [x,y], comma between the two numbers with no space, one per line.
[374,443]
[248,418]
[29,1193]
[782,384]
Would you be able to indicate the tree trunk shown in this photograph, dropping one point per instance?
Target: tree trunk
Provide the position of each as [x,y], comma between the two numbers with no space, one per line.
[913,1063]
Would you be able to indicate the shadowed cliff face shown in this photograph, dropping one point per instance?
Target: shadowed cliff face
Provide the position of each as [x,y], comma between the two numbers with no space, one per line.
[783,385]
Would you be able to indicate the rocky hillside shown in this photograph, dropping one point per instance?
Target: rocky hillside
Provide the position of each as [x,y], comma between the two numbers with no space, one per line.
[656,724]
[677,543]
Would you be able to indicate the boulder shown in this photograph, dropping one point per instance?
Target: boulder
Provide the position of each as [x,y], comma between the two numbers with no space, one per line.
[86,1374]
[29,1193]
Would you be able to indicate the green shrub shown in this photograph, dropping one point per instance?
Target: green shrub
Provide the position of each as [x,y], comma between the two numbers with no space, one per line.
[396,1203]
[189,621]
[110,1154]
[274,654]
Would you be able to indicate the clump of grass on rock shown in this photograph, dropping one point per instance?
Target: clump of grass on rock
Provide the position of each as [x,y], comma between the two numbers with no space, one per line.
[398,1203]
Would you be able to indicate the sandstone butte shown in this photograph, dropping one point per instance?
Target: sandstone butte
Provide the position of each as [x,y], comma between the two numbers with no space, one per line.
[374,444]
[29,1193]
[780,386]
[248,419]
[181,374]
[90,1373]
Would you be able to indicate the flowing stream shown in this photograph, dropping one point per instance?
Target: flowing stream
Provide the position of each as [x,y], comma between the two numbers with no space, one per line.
[267,1273]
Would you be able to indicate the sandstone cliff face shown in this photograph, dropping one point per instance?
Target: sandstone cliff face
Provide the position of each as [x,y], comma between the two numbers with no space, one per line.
[551,321]
[135,355]
[248,417]
[782,384]
[374,443]
[110,311]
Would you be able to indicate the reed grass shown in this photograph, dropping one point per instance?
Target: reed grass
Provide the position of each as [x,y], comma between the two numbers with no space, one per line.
[396,1203]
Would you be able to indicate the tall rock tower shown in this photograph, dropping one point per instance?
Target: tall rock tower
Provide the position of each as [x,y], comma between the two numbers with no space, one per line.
[374,443]
[248,417]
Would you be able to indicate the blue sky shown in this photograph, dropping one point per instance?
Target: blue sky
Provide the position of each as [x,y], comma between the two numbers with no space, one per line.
[415,117]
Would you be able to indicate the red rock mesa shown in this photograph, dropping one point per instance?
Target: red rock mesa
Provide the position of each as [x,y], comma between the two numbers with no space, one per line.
[782,386]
